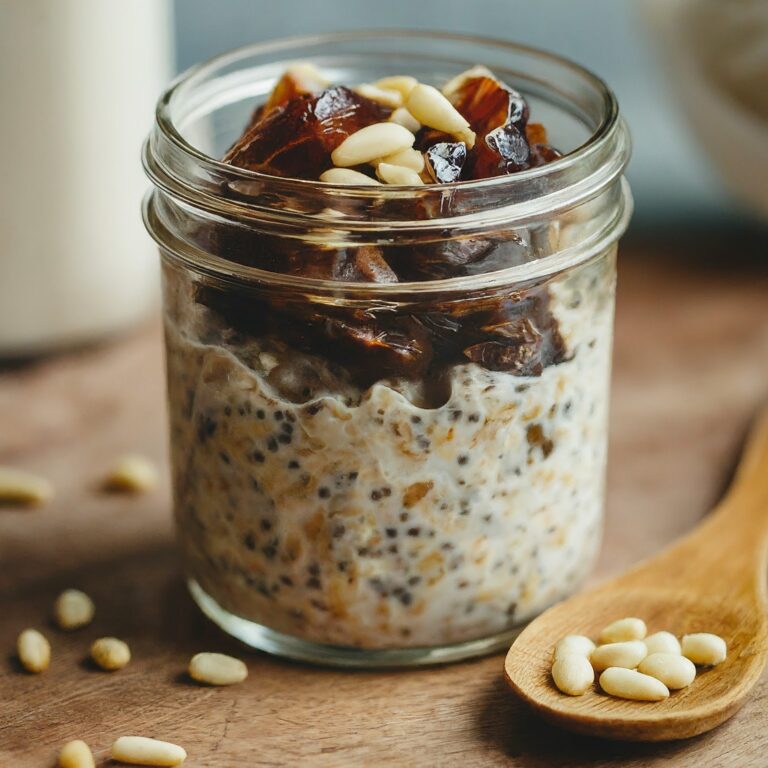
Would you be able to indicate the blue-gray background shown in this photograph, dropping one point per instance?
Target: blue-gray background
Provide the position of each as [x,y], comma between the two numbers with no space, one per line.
[671,177]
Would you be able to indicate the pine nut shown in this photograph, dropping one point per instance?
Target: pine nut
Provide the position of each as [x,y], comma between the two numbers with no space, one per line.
[308,76]
[662,642]
[76,754]
[347,176]
[578,644]
[622,630]
[431,108]
[628,655]
[73,609]
[704,648]
[217,669]
[385,96]
[630,684]
[451,88]
[403,117]
[573,673]
[23,488]
[396,174]
[139,750]
[131,474]
[673,670]
[34,651]
[377,140]
[403,84]
[406,158]
[110,653]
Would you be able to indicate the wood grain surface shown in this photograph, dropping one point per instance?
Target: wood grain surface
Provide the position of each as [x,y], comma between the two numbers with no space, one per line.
[691,366]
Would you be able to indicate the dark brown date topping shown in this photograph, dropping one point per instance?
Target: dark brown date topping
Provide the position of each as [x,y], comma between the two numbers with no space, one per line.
[445,161]
[296,138]
[293,134]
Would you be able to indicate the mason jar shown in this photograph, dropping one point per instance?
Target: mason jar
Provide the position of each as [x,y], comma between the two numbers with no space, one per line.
[372,470]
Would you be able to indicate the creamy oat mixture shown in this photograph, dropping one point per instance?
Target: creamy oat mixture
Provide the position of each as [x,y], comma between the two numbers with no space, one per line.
[358,518]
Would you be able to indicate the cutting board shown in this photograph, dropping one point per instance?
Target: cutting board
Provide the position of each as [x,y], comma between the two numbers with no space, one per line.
[691,366]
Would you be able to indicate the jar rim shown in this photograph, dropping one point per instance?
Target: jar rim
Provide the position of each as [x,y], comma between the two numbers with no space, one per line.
[194,179]
[165,121]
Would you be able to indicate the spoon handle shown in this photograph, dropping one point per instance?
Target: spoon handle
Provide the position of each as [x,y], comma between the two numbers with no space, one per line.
[753,467]
[733,541]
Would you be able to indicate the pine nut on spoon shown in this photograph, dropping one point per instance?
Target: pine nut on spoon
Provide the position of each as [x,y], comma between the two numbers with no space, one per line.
[712,579]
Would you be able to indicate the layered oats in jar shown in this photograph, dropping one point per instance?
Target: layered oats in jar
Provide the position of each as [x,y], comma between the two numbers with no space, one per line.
[388,310]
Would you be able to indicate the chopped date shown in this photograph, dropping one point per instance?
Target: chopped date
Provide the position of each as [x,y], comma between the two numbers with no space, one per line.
[400,348]
[536,133]
[541,154]
[297,138]
[503,150]
[293,135]
[370,263]
[445,161]
[488,103]
[520,359]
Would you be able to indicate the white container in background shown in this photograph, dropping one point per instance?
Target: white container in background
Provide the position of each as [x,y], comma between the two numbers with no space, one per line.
[78,83]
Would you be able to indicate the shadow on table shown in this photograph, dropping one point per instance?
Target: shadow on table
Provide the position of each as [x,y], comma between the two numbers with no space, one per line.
[533,743]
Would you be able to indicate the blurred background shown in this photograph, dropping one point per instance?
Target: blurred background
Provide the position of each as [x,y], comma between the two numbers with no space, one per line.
[82,76]
[623,41]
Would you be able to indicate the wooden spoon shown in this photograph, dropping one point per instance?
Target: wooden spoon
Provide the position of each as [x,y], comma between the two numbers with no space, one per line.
[713,580]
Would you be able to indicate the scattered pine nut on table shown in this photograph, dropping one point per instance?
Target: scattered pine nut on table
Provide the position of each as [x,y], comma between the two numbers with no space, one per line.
[34,651]
[131,473]
[23,488]
[76,754]
[110,653]
[139,750]
[73,609]
[217,669]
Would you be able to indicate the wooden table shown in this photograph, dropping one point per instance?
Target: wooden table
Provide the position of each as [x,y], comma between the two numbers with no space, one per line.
[691,366]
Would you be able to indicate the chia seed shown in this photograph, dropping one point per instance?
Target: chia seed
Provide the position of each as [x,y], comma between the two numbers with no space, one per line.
[205,428]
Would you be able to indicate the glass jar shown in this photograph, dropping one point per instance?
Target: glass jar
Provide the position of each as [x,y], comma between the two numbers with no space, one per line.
[386,473]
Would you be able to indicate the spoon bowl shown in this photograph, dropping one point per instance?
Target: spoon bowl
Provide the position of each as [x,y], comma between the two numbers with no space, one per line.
[713,580]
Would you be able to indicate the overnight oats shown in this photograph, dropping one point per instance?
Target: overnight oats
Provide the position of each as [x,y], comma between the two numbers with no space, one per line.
[388,300]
